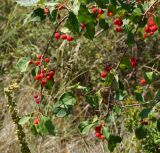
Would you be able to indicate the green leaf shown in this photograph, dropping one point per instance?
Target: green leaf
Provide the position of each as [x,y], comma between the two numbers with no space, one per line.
[130,39]
[49,84]
[22,64]
[34,130]
[38,13]
[105,132]
[149,77]
[64,106]
[112,142]
[72,23]
[144,113]
[24,120]
[136,15]
[157,20]
[139,97]
[84,16]
[53,15]
[90,31]
[85,127]
[125,63]
[112,8]
[103,24]
[120,94]
[45,126]
[141,132]
[101,3]
[93,100]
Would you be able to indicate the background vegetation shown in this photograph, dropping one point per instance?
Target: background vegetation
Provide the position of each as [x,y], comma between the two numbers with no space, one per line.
[78,64]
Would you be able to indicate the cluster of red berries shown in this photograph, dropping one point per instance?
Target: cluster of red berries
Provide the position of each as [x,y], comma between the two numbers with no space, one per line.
[98,132]
[151,28]
[133,62]
[118,22]
[43,75]
[100,11]
[105,72]
[97,10]
[57,36]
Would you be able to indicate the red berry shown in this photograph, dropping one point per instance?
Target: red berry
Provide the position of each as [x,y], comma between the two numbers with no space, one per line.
[37,77]
[102,137]
[118,29]
[142,81]
[43,71]
[37,101]
[48,77]
[107,68]
[154,28]
[46,11]
[100,11]
[120,22]
[98,135]
[116,21]
[151,33]
[69,38]
[57,35]
[39,56]
[42,75]
[36,121]
[83,25]
[94,10]
[150,22]
[37,63]
[43,82]
[147,29]
[64,36]
[110,14]
[103,74]
[35,96]
[98,128]
[30,62]
[46,60]
[133,62]
[51,73]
